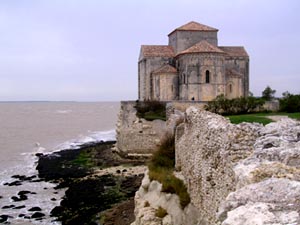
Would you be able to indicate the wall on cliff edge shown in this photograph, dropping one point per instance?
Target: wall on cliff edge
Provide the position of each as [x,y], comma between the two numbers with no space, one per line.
[240,174]
[136,135]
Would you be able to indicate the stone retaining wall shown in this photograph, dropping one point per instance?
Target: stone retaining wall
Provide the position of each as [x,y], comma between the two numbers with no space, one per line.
[136,135]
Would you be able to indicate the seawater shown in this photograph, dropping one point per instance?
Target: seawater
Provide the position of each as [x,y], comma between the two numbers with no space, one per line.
[27,128]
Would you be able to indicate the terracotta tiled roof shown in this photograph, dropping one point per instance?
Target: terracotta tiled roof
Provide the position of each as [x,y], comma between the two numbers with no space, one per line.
[165,69]
[157,50]
[202,47]
[235,51]
[194,26]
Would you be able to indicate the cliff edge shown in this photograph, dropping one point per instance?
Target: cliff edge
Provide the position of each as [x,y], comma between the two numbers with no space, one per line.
[235,174]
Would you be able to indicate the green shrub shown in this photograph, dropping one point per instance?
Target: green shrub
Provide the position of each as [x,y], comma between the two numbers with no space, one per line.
[289,103]
[241,105]
[151,110]
[161,212]
[165,155]
[161,169]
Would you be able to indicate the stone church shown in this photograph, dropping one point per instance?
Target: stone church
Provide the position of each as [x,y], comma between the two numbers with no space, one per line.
[192,67]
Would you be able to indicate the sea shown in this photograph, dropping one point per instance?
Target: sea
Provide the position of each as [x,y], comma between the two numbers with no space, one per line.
[27,128]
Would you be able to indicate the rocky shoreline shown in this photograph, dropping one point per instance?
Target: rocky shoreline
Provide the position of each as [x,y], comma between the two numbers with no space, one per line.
[89,192]
[100,185]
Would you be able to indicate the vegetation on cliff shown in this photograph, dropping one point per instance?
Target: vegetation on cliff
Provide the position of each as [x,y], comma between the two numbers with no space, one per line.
[249,109]
[90,194]
[151,110]
[260,117]
[241,105]
[289,103]
[161,168]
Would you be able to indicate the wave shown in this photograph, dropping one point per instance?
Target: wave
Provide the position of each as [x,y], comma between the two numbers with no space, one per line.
[63,111]
[92,137]
[44,190]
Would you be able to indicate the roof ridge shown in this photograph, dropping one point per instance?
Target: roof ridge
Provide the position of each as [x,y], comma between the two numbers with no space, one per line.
[167,68]
[194,26]
[202,47]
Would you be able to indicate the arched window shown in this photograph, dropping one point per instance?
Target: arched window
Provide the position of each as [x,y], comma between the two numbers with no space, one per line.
[230,88]
[207,76]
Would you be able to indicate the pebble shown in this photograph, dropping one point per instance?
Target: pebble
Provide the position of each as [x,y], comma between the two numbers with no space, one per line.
[37,215]
[34,209]
[8,206]
[4,218]
[19,207]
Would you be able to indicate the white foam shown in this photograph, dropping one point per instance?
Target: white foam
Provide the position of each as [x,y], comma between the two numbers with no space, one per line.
[63,111]
[92,137]
[43,196]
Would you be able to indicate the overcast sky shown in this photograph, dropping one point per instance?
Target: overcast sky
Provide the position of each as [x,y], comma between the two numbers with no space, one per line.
[87,50]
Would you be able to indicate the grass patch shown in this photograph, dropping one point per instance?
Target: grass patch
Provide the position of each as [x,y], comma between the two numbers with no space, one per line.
[161,169]
[236,119]
[151,110]
[161,212]
[260,117]
[150,116]
[294,115]
[84,160]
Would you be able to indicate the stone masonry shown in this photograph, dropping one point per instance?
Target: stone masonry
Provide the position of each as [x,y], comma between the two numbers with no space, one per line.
[192,67]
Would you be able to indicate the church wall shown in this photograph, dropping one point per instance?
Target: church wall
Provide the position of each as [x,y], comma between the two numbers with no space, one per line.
[165,87]
[173,41]
[181,40]
[168,87]
[142,79]
[241,65]
[148,65]
[192,76]
[234,87]
[156,87]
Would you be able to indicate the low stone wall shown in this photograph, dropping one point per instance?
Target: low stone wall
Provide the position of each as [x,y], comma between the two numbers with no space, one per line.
[136,135]
[240,174]
[271,105]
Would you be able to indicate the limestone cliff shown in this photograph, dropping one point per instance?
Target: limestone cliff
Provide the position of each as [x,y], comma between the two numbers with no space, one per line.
[242,174]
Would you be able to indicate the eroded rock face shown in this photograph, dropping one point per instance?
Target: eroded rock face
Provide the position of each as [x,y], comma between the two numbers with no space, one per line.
[150,197]
[268,180]
[243,174]
[240,174]
[206,152]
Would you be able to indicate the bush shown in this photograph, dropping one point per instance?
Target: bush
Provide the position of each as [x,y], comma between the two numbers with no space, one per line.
[241,105]
[161,169]
[289,103]
[151,110]
[165,155]
[161,212]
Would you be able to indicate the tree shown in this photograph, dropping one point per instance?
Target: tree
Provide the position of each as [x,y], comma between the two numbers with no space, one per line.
[268,93]
[289,103]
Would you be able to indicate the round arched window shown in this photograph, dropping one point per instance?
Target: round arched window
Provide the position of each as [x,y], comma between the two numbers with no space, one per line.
[207,76]
[230,88]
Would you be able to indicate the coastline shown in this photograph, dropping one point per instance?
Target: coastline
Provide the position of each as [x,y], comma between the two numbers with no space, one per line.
[100,183]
